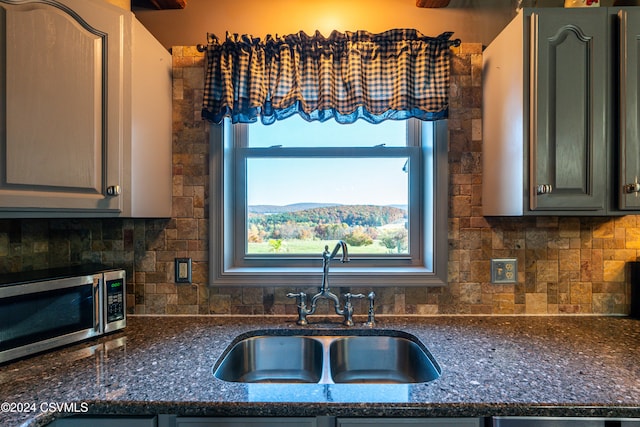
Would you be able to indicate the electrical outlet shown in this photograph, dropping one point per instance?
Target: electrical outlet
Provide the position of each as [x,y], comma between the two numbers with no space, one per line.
[504,270]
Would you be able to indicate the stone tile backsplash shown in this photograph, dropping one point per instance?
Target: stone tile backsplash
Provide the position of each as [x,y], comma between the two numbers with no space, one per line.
[565,264]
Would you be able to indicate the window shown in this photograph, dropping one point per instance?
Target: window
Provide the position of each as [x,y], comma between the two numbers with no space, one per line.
[280,193]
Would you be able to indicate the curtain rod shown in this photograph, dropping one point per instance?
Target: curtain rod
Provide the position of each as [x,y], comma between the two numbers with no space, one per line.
[203,47]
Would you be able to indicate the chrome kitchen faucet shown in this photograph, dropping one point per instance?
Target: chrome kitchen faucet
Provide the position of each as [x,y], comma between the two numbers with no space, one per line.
[324,292]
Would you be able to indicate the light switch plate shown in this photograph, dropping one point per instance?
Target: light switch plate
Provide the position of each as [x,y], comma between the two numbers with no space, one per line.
[504,270]
[183,270]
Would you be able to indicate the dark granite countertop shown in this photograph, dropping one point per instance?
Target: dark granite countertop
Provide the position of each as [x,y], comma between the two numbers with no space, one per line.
[543,366]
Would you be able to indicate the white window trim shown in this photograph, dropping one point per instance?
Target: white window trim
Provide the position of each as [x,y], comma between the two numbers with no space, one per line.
[421,271]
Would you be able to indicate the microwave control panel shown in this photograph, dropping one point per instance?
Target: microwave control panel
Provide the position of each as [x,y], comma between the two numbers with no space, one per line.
[115,299]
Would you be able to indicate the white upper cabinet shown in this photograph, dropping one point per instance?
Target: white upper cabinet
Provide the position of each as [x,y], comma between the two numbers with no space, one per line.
[85,112]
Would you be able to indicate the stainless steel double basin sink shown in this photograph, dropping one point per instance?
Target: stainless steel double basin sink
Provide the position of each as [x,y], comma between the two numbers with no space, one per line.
[327,357]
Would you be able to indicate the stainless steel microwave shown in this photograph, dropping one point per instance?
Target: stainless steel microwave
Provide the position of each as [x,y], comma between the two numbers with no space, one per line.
[41,310]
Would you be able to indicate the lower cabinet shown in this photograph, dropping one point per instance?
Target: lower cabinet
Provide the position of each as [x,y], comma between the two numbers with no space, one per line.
[404,422]
[249,422]
[165,420]
[564,422]
[149,421]
[325,422]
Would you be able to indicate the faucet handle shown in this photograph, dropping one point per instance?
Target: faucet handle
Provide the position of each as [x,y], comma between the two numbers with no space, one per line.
[301,297]
[348,308]
[302,307]
[349,295]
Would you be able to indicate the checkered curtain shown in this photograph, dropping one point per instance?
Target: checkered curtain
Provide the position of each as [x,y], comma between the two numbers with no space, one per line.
[392,75]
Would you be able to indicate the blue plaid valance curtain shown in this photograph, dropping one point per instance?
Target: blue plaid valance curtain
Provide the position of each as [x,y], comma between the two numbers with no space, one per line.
[397,74]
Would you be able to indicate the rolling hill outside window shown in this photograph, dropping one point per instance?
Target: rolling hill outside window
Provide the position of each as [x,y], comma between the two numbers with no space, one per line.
[361,157]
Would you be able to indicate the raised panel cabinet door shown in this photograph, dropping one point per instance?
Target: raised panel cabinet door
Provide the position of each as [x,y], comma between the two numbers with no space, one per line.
[59,74]
[629,119]
[548,422]
[245,422]
[568,108]
[408,422]
[114,421]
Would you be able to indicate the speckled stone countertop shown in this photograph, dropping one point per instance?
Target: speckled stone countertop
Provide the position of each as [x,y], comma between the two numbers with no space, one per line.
[542,366]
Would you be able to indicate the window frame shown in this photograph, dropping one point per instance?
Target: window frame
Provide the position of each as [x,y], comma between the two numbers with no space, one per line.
[425,266]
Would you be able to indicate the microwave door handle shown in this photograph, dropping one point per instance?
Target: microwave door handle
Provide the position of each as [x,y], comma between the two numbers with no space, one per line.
[97,307]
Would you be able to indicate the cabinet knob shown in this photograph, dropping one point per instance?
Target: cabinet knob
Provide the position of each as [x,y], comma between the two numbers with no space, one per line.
[634,187]
[113,190]
[544,188]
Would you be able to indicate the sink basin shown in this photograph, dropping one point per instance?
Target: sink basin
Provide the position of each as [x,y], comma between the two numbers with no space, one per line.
[273,359]
[380,359]
[327,357]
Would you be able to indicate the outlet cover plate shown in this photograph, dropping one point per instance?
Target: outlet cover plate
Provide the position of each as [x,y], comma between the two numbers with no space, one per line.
[504,270]
[183,270]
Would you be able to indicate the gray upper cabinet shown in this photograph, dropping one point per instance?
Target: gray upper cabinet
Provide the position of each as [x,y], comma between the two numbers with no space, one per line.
[549,115]
[85,112]
[568,100]
[629,114]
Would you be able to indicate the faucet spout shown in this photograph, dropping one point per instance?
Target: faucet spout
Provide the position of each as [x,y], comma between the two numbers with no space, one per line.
[326,258]
[324,292]
[340,245]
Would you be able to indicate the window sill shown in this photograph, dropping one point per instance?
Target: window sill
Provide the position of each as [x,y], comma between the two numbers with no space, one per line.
[339,277]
